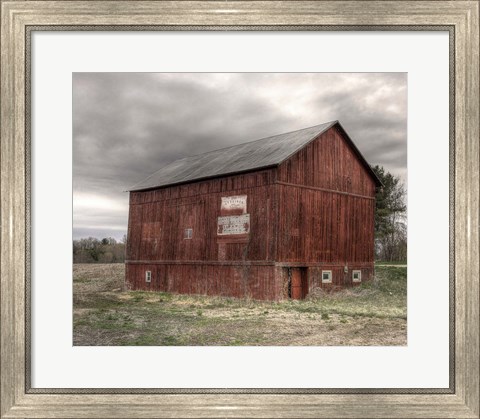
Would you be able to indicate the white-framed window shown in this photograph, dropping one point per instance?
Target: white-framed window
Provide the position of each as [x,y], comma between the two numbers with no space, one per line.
[326,277]
[148,276]
[357,276]
[188,234]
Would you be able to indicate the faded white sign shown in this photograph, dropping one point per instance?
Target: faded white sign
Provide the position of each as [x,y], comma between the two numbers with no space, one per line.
[233,224]
[234,203]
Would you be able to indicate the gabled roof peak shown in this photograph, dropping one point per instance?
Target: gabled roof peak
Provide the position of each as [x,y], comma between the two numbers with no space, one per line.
[252,155]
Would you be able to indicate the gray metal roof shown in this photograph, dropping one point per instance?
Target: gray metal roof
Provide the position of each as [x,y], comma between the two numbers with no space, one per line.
[262,153]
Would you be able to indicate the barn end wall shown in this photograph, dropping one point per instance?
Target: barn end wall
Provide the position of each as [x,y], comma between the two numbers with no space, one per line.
[326,216]
[328,162]
[319,226]
[340,277]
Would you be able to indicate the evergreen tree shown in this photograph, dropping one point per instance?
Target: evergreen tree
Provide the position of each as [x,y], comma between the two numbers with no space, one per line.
[390,217]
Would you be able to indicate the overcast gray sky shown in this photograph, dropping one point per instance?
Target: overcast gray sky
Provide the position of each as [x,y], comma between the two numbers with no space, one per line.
[127,125]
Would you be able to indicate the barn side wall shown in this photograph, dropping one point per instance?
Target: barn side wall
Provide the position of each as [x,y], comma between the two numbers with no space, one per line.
[242,281]
[210,262]
[158,220]
[326,210]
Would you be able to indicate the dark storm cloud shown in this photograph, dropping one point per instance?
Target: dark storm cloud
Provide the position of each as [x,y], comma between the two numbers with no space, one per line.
[374,112]
[127,125]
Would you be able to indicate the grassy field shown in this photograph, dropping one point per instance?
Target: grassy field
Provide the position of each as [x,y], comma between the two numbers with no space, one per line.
[388,263]
[374,313]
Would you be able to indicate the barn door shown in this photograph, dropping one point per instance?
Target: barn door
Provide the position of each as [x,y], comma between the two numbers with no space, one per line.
[347,277]
[299,284]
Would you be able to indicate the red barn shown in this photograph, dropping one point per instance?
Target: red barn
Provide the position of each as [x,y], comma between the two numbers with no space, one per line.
[268,219]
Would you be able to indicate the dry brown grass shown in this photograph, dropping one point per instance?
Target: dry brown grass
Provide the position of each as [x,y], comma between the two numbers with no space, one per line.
[104,314]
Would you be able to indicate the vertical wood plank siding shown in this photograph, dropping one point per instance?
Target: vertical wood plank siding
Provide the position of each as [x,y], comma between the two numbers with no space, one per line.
[257,282]
[315,210]
[327,210]
[206,263]
[158,219]
[330,163]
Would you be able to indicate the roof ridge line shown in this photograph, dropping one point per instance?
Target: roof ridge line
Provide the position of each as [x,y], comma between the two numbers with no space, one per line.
[330,123]
[254,141]
[204,157]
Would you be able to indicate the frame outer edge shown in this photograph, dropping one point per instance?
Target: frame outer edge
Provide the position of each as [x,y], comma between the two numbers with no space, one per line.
[12,252]
[9,217]
[467,210]
[472,355]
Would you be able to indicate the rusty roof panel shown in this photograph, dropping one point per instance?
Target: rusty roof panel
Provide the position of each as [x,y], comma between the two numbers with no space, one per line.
[257,154]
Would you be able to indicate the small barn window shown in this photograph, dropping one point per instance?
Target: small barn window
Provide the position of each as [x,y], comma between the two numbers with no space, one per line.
[148,276]
[357,276]
[326,277]
[188,233]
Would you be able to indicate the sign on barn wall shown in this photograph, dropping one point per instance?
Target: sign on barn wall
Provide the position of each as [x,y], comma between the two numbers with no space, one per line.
[233,224]
[230,203]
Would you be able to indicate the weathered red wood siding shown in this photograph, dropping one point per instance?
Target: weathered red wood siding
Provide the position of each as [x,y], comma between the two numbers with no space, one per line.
[321,226]
[315,212]
[236,280]
[326,211]
[330,163]
[207,263]
[158,219]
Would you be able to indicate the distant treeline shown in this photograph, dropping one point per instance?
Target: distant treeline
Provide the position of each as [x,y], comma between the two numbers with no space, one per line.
[92,250]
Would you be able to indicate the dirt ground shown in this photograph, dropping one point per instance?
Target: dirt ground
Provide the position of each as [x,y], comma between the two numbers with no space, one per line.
[104,314]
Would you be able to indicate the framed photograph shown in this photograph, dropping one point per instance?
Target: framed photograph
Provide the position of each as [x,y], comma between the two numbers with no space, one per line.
[226,246]
[246,186]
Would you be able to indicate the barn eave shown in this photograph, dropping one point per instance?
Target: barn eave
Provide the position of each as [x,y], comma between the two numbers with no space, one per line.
[201,179]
